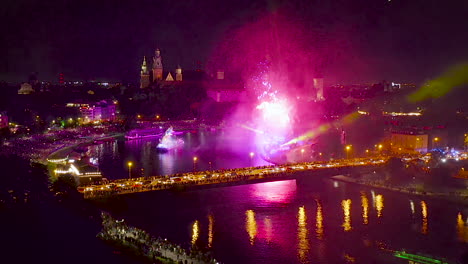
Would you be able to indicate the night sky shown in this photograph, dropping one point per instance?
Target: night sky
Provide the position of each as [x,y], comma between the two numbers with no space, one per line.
[357,41]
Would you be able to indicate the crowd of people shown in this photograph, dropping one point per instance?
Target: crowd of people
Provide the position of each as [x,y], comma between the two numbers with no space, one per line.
[182,180]
[146,245]
[38,147]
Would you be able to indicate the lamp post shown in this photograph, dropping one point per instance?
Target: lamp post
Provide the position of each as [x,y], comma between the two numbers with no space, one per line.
[348,148]
[436,139]
[251,154]
[380,146]
[130,164]
[194,163]
[302,155]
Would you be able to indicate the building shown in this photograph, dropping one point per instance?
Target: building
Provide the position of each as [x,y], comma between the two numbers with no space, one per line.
[222,90]
[219,88]
[178,74]
[157,73]
[98,112]
[157,66]
[409,142]
[144,75]
[26,88]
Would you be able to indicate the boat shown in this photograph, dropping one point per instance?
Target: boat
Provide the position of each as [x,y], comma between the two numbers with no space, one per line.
[143,133]
[414,258]
[169,141]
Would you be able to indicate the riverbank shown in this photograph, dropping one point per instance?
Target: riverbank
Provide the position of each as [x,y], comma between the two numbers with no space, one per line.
[455,197]
[61,154]
[140,244]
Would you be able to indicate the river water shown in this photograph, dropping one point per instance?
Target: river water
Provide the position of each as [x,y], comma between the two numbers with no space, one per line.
[314,221]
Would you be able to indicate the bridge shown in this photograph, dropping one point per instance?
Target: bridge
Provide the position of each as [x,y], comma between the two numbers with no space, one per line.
[238,176]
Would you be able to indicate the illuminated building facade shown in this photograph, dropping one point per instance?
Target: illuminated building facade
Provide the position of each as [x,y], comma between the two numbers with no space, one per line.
[178,74]
[98,112]
[26,88]
[409,142]
[147,78]
[144,75]
[157,66]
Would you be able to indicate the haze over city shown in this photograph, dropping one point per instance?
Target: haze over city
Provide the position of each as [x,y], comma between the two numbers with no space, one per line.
[234,131]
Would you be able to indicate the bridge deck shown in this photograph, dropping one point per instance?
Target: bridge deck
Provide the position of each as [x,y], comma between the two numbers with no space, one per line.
[225,177]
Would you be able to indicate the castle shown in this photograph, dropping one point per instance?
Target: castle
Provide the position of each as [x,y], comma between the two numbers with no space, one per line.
[147,78]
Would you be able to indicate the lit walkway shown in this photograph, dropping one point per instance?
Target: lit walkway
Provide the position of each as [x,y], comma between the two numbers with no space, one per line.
[230,176]
[148,246]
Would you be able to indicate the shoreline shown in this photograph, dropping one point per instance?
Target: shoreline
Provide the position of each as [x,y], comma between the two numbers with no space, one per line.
[448,197]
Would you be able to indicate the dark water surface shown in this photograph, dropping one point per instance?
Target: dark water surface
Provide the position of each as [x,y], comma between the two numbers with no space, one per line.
[315,221]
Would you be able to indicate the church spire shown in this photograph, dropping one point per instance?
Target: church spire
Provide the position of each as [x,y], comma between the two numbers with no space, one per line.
[144,75]
[144,67]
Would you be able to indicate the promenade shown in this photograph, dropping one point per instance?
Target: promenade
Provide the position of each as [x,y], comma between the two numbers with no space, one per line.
[147,246]
[227,177]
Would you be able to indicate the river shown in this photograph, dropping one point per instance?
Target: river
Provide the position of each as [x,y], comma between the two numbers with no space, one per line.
[315,221]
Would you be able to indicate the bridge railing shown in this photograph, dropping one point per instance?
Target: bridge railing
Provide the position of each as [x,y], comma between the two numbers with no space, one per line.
[154,183]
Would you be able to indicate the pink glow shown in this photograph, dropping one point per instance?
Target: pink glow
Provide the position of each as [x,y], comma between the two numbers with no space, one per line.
[277,59]
[275,113]
[275,192]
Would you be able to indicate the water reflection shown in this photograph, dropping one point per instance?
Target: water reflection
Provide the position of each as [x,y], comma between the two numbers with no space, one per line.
[279,191]
[461,228]
[167,163]
[379,204]
[302,232]
[424,227]
[346,205]
[365,208]
[195,232]
[268,229]
[412,207]
[319,221]
[251,225]
[210,230]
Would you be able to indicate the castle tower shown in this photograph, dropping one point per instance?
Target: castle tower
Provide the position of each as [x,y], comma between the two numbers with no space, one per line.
[178,74]
[157,66]
[144,75]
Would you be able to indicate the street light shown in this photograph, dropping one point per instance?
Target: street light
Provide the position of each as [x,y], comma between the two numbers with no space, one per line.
[130,164]
[194,162]
[380,146]
[348,148]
